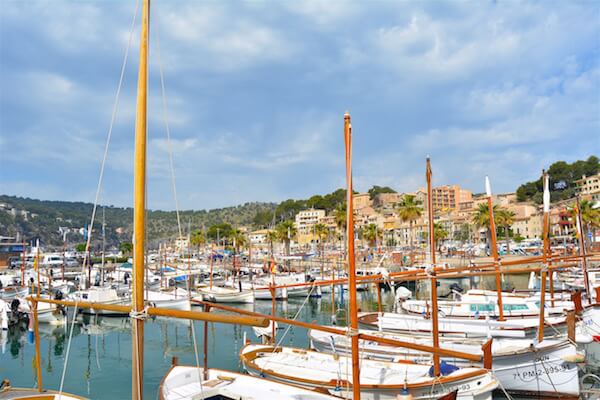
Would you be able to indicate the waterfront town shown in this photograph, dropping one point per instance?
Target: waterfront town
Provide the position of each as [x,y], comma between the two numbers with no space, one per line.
[400,219]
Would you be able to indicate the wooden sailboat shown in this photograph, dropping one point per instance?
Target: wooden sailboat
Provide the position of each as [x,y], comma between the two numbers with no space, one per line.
[521,365]
[378,379]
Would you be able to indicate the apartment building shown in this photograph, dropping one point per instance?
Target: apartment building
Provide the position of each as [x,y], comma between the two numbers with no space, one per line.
[589,186]
[449,197]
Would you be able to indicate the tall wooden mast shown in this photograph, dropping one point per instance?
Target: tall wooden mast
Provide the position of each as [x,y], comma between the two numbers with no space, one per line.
[546,255]
[582,251]
[139,211]
[494,247]
[434,303]
[351,259]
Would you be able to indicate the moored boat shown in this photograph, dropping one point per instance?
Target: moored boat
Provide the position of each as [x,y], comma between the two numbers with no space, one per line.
[379,380]
[183,382]
[521,365]
[218,294]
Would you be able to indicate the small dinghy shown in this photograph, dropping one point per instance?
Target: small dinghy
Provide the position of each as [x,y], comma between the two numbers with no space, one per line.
[182,382]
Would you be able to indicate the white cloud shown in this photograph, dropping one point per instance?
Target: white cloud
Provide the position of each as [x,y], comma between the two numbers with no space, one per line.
[256,92]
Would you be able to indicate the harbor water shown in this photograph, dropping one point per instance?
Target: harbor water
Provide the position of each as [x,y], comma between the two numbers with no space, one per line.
[99,362]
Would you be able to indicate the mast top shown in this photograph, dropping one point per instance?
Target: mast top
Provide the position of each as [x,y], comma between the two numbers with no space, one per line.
[546,196]
[488,187]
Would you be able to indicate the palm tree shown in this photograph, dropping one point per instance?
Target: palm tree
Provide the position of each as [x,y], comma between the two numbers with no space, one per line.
[439,234]
[505,219]
[590,216]
[410,210]
[371,233]
[481,219]
[272,237]
[238,239]
[198,238]
[322,232]
[340,221]
[285,232]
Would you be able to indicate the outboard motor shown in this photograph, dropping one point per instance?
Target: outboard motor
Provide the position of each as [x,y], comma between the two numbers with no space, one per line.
[455,287]
[15,314]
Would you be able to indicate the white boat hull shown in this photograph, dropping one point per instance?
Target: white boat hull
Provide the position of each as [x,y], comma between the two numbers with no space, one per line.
[549,368]
[379,380]
[227,296]
[184,383]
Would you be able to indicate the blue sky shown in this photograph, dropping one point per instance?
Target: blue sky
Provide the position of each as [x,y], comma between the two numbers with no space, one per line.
[256,94]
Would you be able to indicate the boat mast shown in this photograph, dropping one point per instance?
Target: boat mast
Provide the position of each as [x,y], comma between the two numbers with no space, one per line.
[434,303]
[139,211]
[351,260]
[582,252]
[494,247]
[545,254]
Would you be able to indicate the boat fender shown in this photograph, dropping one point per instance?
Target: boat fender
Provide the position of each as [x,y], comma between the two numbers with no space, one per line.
[404,395]
[574,358]
[445,369]
[583,338]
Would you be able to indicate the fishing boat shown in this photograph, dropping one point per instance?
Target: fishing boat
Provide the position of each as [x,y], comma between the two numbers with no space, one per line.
[177,299]
[219,294]
[483,303]
[102,295]
[46,313]
[379,380]
[185,382]
[12,292]
[522,366]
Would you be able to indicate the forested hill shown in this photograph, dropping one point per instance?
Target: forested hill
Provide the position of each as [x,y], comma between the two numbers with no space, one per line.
[562,180]
[49,219]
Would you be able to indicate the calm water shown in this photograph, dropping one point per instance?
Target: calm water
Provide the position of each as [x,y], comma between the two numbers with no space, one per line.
[99,364]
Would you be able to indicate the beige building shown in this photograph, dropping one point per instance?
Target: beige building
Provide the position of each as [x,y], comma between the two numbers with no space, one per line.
[182,243]
[589,186]
[259,237]
[527,221]
[305,223]
[307,219]
[361,200]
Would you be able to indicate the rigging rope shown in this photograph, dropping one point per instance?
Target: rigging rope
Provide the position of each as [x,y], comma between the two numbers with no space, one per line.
[98,190]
